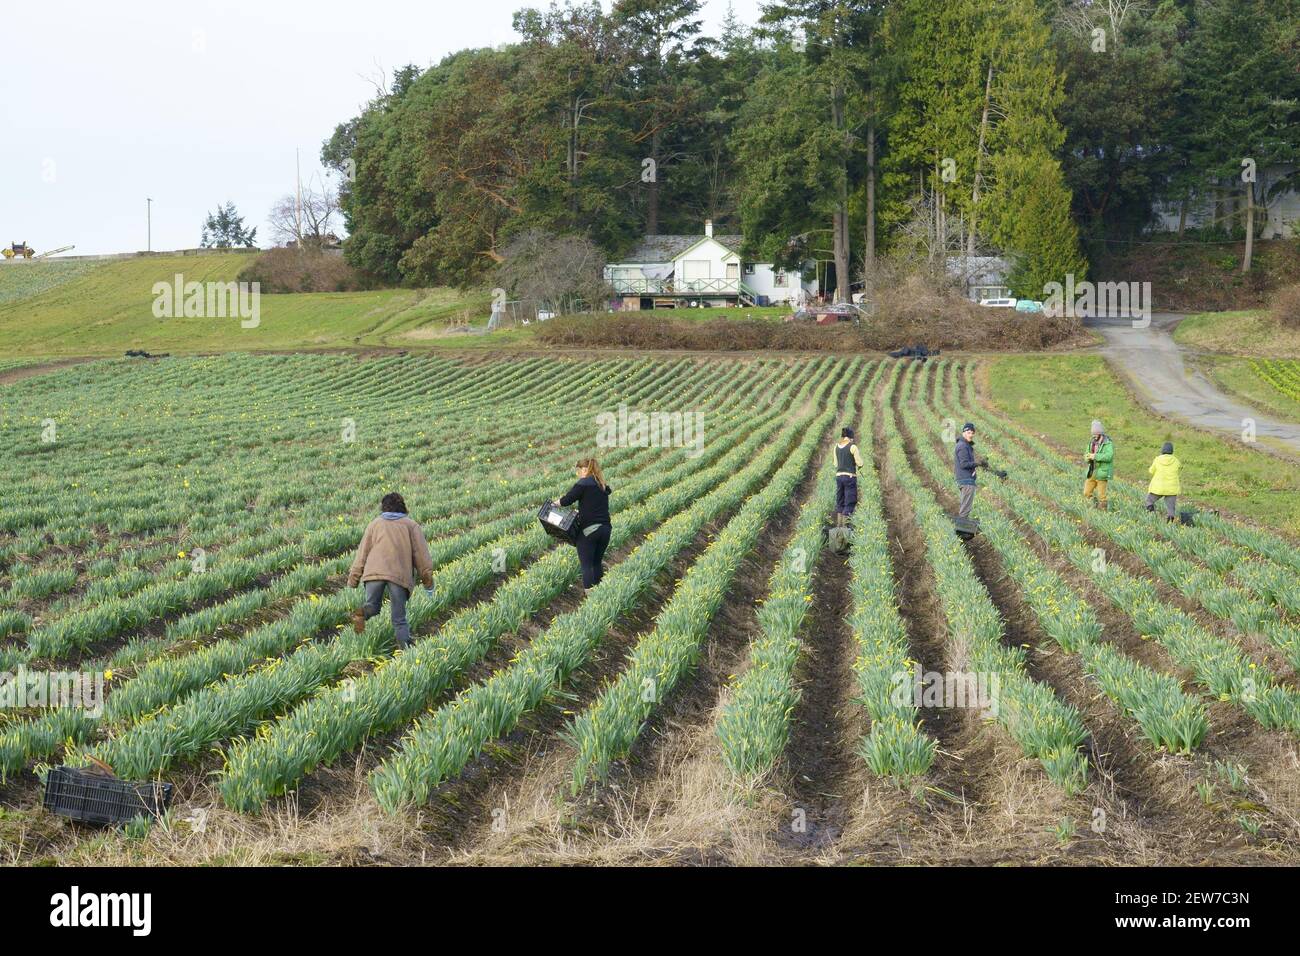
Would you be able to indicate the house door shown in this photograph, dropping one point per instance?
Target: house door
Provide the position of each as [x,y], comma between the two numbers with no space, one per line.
[733,270]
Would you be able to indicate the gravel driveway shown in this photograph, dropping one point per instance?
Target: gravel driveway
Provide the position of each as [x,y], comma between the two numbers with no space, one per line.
[1153,363]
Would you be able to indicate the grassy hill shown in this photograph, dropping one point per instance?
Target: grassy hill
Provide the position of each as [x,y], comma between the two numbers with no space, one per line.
[105,308]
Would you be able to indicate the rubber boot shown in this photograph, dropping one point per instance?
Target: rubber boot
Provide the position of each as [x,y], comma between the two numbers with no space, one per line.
[359,620]
[840,519]
[1169,519]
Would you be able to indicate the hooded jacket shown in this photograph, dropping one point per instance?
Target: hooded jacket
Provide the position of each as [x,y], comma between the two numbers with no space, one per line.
[1103,466]
[1164,476]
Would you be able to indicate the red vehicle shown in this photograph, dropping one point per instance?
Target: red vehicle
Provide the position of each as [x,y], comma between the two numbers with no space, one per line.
[828,314]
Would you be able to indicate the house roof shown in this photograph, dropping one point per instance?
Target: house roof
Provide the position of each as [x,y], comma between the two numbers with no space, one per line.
[668,248]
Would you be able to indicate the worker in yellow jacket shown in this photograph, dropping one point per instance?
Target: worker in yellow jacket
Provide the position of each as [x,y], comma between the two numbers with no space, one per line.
[1164,481]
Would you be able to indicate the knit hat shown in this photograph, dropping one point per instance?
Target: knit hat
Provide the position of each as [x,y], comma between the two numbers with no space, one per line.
[968,427]
[1167,448]
[846,432]
[1096,427]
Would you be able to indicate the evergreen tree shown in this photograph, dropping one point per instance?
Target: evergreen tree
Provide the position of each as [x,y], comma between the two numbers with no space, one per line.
[224,229]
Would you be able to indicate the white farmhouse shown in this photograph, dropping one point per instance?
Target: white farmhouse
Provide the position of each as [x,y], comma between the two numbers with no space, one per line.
[668,272]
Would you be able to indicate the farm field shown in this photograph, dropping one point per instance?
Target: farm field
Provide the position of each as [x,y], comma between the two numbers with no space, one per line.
[1057,397]
[727,694]
[1270,384]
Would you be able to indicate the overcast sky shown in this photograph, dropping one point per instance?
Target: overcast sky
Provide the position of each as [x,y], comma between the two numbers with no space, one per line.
[107,102]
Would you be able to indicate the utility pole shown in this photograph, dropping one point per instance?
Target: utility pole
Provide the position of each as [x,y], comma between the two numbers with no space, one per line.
[297,206]
[148,219]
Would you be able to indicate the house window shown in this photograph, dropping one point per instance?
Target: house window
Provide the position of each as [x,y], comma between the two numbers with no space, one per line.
[778,279]
[749,268]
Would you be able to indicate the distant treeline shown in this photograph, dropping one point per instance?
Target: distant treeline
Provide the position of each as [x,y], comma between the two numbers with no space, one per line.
[830,130]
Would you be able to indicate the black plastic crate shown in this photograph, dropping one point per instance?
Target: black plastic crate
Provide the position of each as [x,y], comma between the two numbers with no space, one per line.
[966,528]
[97,798]
[558,522]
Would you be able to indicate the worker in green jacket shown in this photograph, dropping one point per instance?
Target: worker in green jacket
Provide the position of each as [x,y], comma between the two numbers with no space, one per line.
[1100,458]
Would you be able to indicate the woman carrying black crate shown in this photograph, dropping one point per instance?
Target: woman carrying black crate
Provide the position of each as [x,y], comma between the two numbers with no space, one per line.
[592,523]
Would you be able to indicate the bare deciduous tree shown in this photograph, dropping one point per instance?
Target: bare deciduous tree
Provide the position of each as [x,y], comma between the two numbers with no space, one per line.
[310,226]
[558,273]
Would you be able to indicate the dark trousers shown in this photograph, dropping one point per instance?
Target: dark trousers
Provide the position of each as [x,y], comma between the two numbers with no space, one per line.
[846,494]
[591,554]
[397,596]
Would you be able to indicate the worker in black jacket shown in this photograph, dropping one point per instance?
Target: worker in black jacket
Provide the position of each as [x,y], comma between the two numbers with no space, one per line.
[848,460]
[592,523]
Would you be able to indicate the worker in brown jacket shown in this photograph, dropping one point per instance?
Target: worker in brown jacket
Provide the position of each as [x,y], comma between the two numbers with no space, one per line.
[392,545]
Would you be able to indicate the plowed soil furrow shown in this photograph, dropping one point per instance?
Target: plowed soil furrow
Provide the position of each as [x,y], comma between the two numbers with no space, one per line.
[823,771]
[953,789]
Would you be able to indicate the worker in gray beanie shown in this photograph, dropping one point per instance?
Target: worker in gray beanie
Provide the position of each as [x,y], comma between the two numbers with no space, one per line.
[1099,457]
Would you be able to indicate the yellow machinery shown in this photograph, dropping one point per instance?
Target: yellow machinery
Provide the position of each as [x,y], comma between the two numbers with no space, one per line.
[21,250]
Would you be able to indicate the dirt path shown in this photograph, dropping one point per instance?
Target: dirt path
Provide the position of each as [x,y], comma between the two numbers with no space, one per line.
[1153,364]
[27,371]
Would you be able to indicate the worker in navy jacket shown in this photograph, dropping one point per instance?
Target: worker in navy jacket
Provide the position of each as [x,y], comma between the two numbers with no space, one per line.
[964,464]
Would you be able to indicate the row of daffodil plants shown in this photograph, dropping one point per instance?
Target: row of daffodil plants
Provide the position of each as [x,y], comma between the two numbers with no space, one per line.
[110,614]
[1167,716]
[1220,665]
[237,705]
[443,742]
[1206,580]
[895,744]
[1282,375]
[1251,612]
[208,507]
[162,681]
[606,730]
[334,722]
[1044,726]
[754,725]
[1207,537]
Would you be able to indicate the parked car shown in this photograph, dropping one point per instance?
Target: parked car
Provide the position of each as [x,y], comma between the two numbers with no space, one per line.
[1029,305]
[999,303]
